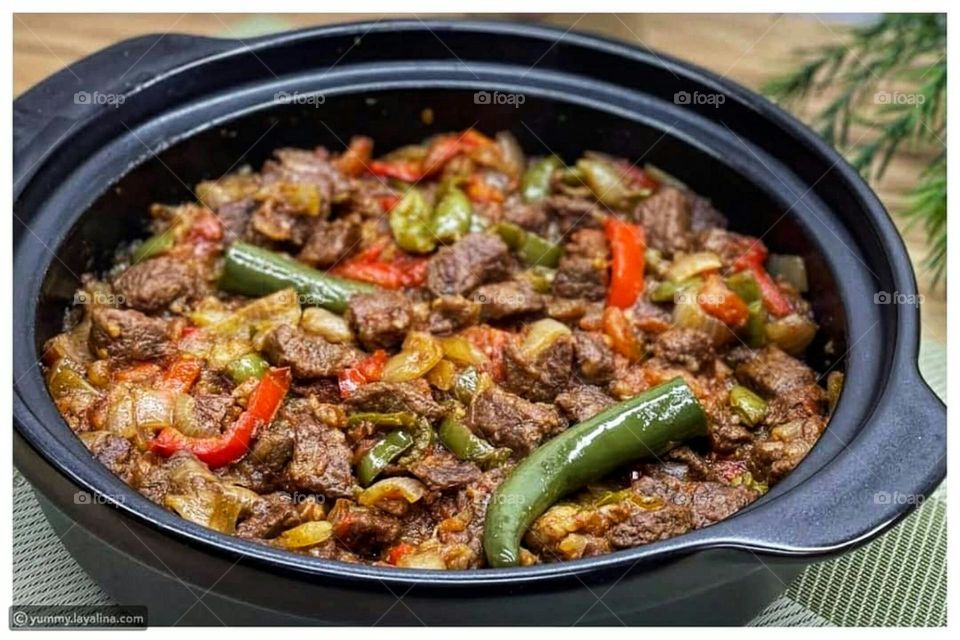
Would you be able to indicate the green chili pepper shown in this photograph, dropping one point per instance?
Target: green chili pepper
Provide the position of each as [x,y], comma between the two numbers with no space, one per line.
[404,419]
[755,332]
[452,216]
[253,271]
[667,291]
[749,406]
[535,183]
[410,222]
[381,454]
[247,366]
[469,383]
[532,249]
[647,424]
[423,437]
[466,445]
[745,286]
[607,183]
[154,246]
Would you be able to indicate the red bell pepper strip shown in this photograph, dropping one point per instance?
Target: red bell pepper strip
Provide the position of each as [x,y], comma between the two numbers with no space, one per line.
[140,372]
[441,151]
[368,266]
[719,301]
[752,260]
[353,161]
[398,551]
[217,451]
[405,170]
[181,375]
[627,244]
[388,202]
[478,190]
[367,370]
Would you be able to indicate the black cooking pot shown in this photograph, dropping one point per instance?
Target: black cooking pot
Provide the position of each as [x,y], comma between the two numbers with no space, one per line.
[144,120]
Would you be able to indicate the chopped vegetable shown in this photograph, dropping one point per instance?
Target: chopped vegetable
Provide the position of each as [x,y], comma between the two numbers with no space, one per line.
[531,248]
[452,216]
[411,223]
[443,376]
[308,534]
[608,184]
[254,271]
[405,419]
[535,184]
[420,353]
[644,425]
[623,338]
[752,261]
[721,303]
[792,333]
[247,366]
[540,336]
[688,313]
[370,369]
[326,324]
[381,454]
[749,406]
[834,388]
[372,265]
[667,291]
[221,450]
[206,507]
[790,268]
[406,489]
[461,350]
[627,245]
[693,264]
[154,246]
[744,285]
[466,445]
[755,331]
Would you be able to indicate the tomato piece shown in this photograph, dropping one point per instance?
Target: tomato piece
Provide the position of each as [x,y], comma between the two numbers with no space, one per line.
[627,245]
[719,301]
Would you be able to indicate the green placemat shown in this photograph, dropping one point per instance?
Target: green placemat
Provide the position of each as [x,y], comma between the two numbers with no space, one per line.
[898,579]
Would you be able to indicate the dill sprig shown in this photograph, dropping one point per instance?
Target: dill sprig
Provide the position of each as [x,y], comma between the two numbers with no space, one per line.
[889,81]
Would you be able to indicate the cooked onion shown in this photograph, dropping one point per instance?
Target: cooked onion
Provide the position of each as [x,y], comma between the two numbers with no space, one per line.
[540,335]
[330,326]
[305,535]
[392,489]
[692,264]
[421,352]
[688,314]
[792,333]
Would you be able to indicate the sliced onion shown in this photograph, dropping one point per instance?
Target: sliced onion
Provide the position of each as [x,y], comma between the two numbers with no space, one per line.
[688,314]
[206,507]
[790,268]
[421,352]
[328,325]
[461,350]
[443,376]
[540,335]
[153,408]
[423,559]
[308,534]
[407,489]
[792,333]
[691,264]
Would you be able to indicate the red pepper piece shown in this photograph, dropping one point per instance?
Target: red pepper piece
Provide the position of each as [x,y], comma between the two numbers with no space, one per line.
[478,190]
[627,244]
[181,375]
[719,301]
[217,451]
[388,202]
[441,151]
[753,260]
[398,551]
[402,270]
[367,370]
[405,170]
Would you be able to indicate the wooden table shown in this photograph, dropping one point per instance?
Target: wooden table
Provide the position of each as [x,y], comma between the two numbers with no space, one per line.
[747,48]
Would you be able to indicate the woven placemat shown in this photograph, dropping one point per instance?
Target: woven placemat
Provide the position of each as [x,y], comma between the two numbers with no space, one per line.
[873,586]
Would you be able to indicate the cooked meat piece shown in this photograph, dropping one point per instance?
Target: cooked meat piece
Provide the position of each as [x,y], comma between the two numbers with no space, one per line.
[309,167]
[708,502]
[380,320]
[330,242]
[786,445]
[128,335]
[235,219]
[702,214]
[324,390]
[153,285]
[665,217]
[321,457]
[506,299]
[274,224]
[465,265]
[542,378]
[470,508]
[530,216]
[593,357]
[650,317]
[270,516]
[567,309]
[583,402]
[262,468]
[441,470]
[388,397]
[649,525]
[363,529]
[452,313]
[116,453]
[729,246]
[210,412]
[774,373]
[307,355]
[583,269]
[508,420]
[572,213]
[688,347]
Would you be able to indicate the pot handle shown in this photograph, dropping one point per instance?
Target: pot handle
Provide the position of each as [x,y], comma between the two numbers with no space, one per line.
[47,112]
[886,472]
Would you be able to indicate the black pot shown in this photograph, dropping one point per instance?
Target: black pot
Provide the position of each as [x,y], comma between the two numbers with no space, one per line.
[193,108]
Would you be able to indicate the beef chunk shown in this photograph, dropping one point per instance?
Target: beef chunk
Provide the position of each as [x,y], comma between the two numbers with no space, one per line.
[774,373]
[321,457]
[452,313]
[460,268]
[650,317]
[363,529]
[235,219]
[115,453]
[666,218]
[541,378]
[510,421]
[687,347]
[128,335]
[702,214]
[269,517]
[572,213]
[380,320]
[582,272]
[330,242]
[707,502]
[649,525]
[210,412]
[309,356]
[312,167]
[775,455]
[583,402]
[506,299]
[593,357]
[262,468]
[530,216]
[388,397]
[152,285]
[441,470]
